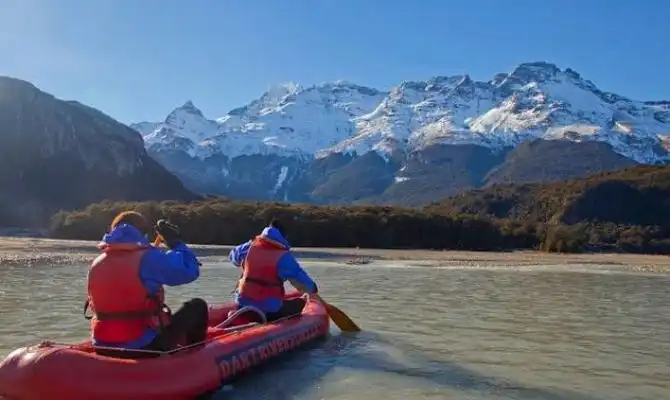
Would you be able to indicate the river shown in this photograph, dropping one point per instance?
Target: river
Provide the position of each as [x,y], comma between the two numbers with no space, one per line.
[429,332]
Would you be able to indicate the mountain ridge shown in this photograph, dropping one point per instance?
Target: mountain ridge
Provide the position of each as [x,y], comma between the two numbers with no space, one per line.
[57,154]
[631,196]
[340,142]
[536,100]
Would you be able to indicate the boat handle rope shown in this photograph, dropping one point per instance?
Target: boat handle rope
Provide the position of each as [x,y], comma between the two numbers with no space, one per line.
[241,311]
[222,325]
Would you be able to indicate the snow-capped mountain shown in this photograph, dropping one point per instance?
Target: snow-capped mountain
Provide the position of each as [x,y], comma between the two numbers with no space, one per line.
[292,132]
[287,120]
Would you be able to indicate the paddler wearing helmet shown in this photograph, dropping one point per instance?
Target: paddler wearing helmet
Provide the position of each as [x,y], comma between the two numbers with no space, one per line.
[267,263]
[126,295]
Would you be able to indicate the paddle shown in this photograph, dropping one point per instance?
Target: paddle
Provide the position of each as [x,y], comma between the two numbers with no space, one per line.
[340,319]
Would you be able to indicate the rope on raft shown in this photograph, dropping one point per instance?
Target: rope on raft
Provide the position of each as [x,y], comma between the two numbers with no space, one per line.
[241,311]
[223,326]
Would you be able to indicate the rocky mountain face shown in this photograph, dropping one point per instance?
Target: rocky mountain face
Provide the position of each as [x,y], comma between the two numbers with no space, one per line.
[57,154]
[420,141]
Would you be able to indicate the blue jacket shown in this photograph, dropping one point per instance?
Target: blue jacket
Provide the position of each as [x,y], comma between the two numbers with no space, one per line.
[287,268]
[158,267]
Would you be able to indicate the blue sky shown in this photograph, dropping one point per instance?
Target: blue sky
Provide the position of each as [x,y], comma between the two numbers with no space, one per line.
[138,59]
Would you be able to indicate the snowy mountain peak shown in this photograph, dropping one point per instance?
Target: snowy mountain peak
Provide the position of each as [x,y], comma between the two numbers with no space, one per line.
[532,71]
[185,128]
[525,74]
[268,101]
[434,84]
[450,81]
[188,108]
[283,89]
[277,95]
[343,86]
[534,100]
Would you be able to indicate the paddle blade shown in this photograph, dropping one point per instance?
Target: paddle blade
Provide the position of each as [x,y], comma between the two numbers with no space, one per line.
[341,319]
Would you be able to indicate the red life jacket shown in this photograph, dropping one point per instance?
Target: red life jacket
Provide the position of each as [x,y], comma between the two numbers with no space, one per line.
[260,279]
[122,308]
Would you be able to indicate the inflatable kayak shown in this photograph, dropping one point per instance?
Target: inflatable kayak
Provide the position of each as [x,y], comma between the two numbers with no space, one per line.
[73,372]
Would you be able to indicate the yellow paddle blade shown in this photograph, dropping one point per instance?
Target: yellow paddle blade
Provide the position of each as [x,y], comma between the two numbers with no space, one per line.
[341,319]
[158,240]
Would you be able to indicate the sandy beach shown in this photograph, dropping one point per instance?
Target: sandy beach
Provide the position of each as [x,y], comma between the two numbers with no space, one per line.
[28,251]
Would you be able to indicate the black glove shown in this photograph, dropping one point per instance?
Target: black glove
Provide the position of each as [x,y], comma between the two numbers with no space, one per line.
[169,232]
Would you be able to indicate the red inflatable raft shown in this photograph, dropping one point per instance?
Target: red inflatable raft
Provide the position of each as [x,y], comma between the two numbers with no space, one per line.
[73,372]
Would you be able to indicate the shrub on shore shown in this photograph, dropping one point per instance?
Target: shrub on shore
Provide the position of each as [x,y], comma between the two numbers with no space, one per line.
[227,222]
[219,221]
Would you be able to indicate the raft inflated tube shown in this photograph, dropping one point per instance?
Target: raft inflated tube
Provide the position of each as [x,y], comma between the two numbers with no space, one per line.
[75,372]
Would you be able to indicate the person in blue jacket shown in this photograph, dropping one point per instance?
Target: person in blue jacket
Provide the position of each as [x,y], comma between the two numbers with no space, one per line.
[126,295]
[267,263]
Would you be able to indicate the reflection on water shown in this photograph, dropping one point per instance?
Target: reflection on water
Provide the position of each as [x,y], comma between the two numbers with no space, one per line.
[429,333]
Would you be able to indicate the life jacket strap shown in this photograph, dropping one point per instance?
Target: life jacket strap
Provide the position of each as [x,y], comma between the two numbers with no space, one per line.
[103,316]
[263,282]
[122,315]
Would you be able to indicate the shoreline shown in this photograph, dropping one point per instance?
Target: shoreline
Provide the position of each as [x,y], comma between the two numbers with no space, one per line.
[31,251]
